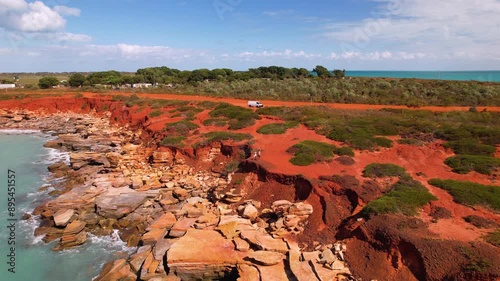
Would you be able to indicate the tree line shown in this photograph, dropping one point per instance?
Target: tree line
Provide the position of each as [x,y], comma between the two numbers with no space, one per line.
[165,75]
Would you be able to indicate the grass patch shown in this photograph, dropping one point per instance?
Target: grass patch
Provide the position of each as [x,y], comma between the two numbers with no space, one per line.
[410,141]
[383,142]
[471,194]
[475,263]
[470,147]
[344,151]
[463,164]
[207,104]
[157,103]
[219,122]
[12,96]
[155,113]
[308,152]
[383,170]
[221,136]
[173,141]
[240,117]
[407,197]
[493,238]
[181,127]
[276,128]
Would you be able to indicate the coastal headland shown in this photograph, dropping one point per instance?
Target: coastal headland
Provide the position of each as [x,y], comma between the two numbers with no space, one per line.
[207,189]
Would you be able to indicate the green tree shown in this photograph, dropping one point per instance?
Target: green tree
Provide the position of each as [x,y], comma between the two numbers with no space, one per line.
[322,71]
[339,73]
[76,80]
[48,82]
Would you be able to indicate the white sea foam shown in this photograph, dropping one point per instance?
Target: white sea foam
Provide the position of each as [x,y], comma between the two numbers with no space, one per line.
[54,156]
[19,132]
[112,242]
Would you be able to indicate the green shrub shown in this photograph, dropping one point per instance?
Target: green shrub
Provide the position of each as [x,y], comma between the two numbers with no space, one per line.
[406,197]
[181,127]
[219,122]
[240,117]
[344,151]
[463,164]
[221,136]
[155,113]
[383,170]
[469,193]
[207,104]
[383,142]
[173,141]
[237,124]
[308,152]
[276,128]
[494,238]
[470,147]
[159,103]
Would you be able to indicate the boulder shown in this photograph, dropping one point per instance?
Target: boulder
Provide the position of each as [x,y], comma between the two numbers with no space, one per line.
[301,270]
[264,241]
[116,270]
[151,237]
[166,221]
[62,217]
[250,212]
[117,206]
[248,273]
[190,259]
[266,257]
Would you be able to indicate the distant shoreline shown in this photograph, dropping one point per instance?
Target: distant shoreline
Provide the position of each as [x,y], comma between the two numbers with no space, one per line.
[480,75]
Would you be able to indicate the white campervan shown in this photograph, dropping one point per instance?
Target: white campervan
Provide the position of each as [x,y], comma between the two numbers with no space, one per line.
[252,103]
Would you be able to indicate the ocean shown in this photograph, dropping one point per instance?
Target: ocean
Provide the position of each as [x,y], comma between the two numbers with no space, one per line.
[23,158]
[483,76]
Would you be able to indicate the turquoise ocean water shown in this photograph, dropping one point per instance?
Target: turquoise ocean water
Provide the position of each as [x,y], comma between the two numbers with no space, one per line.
[35,261]
[484,76]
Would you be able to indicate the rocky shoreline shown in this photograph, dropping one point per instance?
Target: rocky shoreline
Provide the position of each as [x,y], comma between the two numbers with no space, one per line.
[187,224]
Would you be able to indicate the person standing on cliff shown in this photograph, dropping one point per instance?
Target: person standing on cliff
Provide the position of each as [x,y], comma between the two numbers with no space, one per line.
[258,153]
[255,155]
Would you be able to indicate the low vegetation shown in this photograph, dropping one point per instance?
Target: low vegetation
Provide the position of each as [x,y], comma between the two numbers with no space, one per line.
[239,117]
[221,136]
[471,194]
[473,135]
[379,170]
[219,122]
[463,164]
[177,141]
[308,152]
[155,113]
[407,196]
[494,238]
[471,147]
[182,127]
[276,128]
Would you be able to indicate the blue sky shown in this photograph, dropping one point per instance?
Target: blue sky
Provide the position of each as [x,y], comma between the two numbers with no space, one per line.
[91,35]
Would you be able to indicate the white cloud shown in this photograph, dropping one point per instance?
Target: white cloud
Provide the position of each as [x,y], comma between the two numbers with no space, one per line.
[39,18]
[424,27]
[12,5]
[278,13]
[286,54]
[67,11]
[69,37]
[375,56]
[138,52]
[23,16]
